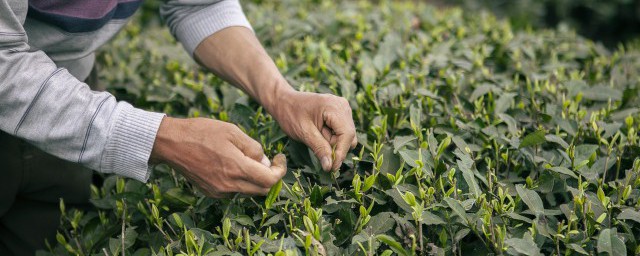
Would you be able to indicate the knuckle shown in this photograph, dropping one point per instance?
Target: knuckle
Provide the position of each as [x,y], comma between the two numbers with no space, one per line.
[305,135]
[225,187]
[230,132]
[232,128]
[351,135]
[272,180]
[343,101]
[214,194]
[267,183]
[318,150]
[327,98]
[256,146]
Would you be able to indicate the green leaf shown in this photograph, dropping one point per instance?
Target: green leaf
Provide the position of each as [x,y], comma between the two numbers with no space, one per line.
[368,182]
[512,124]
[398,198]
[415,116]
[346,227]
[178,197]
[226,227]
[532,139]
[481,90]
[411,156]
[629,214]
[274,219]
[387,253]
[387,53]
[504,102]
[114,246]
[555,139]
[465,167]
[584,151]
[368,70]
[431,219]
[578,249]
[391,161]
[602,93]
[395,246]
[457,208]
[380,223]
[244,220]
[562,170]
[531,199]
[524,245]
[272,195]
[461,234]
[609,242]
[400,141]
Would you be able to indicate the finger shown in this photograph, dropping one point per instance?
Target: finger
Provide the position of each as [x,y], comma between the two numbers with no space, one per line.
[344,133]
[249,147]
[320,147]
[342,147]
[354,143]
[263,176]
[265,161]
[279,167]
[218,195]
[211,192]
[327,134]
[250,188]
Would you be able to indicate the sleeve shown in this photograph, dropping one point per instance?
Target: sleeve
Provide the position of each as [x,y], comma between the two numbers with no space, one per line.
[51,109]
[191,21]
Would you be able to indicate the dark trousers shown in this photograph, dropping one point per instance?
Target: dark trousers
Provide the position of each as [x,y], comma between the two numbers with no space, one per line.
[32,184]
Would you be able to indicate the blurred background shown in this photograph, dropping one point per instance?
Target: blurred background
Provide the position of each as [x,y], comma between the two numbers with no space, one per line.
[608,21]
[611,22]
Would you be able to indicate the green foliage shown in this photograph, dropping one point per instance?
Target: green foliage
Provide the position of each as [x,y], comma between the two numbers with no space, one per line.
[473,139]
[611,21]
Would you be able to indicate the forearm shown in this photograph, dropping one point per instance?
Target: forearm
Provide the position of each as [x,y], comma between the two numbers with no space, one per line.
[49,108]
[236,55]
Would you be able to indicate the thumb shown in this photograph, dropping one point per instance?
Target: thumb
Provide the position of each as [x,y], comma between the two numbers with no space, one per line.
[279,166]
[265,161]
[320,147]
[251,148]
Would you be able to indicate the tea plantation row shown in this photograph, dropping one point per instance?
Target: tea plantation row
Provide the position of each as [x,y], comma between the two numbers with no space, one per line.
[474,139]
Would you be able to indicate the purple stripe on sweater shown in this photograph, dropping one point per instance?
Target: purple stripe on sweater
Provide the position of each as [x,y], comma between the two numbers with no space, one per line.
[75,24]
[86,9]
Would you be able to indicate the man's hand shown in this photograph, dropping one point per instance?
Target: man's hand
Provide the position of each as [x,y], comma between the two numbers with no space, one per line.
[318,120]
[321,121]
[217,156]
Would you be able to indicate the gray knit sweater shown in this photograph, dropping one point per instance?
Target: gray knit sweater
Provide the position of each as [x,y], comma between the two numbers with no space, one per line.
[46,50]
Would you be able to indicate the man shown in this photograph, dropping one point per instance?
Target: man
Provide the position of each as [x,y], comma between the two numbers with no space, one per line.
[53,124]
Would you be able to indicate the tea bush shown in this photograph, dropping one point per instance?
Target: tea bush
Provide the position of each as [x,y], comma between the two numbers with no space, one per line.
[611,21]
[474,139]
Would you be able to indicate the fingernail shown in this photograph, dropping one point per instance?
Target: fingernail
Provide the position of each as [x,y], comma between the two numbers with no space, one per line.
[338,167]
[326,163]
[265,161]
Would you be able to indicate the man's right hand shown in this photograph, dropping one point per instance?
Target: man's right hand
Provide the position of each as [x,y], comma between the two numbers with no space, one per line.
[217,156]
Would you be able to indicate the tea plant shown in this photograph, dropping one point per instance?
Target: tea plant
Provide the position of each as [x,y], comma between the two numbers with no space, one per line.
[474,139]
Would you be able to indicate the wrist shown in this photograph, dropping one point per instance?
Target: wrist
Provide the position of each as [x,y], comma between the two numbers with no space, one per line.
[165,139]
[278,97]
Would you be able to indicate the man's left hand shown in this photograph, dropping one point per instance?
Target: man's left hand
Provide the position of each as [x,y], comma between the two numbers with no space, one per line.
[321,121]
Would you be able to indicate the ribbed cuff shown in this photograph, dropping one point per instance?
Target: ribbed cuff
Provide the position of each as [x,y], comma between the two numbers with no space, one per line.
[129,147]
[194,28]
